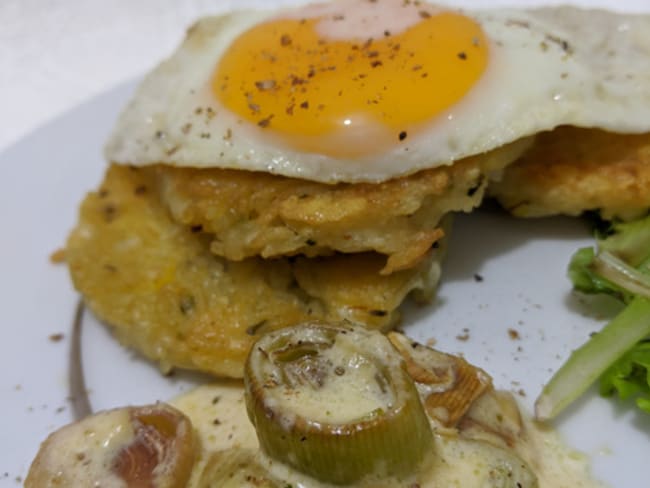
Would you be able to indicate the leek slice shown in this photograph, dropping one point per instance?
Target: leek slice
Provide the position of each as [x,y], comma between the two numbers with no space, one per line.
[336,403]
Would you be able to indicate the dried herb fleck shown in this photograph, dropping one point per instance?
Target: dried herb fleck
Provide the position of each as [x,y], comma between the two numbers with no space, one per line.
[187,304]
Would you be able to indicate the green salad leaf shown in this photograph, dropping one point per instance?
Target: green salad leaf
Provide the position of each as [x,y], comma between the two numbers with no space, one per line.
[585,278]
[630,376]
[620,353]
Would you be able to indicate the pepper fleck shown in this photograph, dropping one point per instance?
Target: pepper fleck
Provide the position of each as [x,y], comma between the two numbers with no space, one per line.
[265,122]
[265,85]
[285,40]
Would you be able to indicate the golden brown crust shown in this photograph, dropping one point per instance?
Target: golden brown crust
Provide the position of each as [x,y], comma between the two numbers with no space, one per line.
[254,214]
[572,170]
[156,282]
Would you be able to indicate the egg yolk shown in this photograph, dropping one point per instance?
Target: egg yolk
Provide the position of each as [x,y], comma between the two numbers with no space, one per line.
[308,89]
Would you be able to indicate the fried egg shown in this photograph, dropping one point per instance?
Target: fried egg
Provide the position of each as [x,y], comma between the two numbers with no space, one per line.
[368,90]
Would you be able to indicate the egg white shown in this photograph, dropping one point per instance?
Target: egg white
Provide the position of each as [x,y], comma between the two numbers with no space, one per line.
[547,67]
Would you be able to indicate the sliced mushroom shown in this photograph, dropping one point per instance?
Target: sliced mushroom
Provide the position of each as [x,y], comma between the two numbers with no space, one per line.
[494,417]
[448,384]
[141,447]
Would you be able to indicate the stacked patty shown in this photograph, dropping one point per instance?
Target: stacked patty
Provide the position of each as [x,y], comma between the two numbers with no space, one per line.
[188,266]
[571,170]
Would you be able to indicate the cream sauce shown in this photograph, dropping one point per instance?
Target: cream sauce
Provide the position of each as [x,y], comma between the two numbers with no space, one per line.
[84,459]
[218,412]
[350,395]
[349,379]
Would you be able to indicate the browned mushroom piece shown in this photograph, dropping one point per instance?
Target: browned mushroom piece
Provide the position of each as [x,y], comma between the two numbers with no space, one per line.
[141,447]
[448,384]
[494,417]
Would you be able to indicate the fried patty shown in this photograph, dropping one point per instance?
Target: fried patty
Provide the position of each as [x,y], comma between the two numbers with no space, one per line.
[157,284]
[253,214]
[571,170]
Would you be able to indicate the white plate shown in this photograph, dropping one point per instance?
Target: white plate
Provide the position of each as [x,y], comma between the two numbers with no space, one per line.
[524,288]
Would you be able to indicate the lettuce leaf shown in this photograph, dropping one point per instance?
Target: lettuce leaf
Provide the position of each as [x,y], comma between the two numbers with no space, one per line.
[620,353]
[586,279]
[629,377]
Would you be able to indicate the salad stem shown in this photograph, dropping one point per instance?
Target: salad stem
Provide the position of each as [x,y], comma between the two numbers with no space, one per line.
[590,360]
